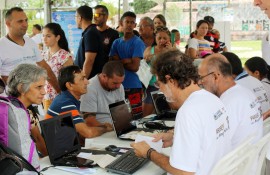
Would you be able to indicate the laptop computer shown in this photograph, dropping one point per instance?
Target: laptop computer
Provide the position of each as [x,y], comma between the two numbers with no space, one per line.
[123,122]
[162,107]
[62,142]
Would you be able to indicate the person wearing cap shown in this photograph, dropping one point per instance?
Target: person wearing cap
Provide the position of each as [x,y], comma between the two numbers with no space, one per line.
[210,36]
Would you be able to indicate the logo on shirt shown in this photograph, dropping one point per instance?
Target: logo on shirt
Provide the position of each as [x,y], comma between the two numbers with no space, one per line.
[219,113]
[255,118]
[106,41]
[223,128]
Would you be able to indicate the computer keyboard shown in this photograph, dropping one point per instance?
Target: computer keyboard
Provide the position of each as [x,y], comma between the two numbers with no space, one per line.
[127,163]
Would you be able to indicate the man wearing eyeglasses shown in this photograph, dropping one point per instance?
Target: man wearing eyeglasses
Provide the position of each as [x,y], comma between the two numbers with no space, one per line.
[244,109]
[90,56]
[108,34]
[242,78]
[146,30]
[202,133]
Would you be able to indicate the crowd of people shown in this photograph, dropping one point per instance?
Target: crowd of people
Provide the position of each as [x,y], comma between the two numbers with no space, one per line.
[219,103]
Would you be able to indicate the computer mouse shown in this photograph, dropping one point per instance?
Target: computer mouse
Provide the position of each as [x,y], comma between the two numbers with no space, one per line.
[112,148]
[154,125]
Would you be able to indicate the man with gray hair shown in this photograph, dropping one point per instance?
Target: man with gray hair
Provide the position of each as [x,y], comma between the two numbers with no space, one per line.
[146,30]
[17,49]
[244,109]
[202,132]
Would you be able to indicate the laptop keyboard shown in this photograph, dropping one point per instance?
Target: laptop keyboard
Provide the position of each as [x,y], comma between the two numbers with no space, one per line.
[127,163]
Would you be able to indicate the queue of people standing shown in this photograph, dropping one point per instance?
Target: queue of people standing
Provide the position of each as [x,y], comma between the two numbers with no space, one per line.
[104,72]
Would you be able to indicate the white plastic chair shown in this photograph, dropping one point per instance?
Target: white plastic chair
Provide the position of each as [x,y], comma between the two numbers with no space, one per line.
[262,147]
[238,161]
[266,126]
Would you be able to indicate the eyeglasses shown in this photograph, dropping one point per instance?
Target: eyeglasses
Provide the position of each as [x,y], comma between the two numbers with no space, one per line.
[202,77]
[97,15]
[143,26]
[157,83]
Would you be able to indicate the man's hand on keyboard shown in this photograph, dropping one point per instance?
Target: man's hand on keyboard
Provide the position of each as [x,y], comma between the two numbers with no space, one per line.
[140,148]
[167,139]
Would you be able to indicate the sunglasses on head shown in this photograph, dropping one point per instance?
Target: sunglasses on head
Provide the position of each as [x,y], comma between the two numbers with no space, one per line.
[161,29]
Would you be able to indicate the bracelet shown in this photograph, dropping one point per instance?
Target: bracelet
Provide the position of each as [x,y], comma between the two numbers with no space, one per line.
[148,154]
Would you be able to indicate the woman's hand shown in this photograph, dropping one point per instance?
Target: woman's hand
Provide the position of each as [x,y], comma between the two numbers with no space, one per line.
[148,58]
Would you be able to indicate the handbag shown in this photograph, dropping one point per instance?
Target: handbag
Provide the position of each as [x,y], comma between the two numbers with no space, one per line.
[11,163]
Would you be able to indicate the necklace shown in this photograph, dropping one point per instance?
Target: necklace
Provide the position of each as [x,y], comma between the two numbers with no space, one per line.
[51,54]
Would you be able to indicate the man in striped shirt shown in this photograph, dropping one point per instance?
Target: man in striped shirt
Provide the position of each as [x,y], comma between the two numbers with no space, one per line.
[73,84]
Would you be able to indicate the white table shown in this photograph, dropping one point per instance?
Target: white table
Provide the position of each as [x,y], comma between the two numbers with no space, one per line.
[101,142]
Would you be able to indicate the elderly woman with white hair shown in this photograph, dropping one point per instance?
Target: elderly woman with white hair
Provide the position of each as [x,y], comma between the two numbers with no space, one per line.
[26,87]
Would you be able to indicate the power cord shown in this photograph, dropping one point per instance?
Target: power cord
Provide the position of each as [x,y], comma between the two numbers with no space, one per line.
[45,169]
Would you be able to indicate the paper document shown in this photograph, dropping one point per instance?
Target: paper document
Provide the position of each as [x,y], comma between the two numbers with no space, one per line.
[82,171]
[155,145]
[103,160]
[84,155]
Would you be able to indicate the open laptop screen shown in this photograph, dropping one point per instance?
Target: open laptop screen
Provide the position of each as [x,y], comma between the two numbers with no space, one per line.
[160,103]
[121,117]
[60,136]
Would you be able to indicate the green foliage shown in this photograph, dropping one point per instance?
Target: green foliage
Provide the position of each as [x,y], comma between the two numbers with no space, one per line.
[111,8]
[28,7]
[112,12]
[174,15]
[143,6]
[31,4]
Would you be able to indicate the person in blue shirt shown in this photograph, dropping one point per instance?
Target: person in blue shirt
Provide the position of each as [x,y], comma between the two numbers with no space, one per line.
[73,84]
[129,49]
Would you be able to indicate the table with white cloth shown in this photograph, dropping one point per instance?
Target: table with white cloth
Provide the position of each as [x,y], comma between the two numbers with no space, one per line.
[101,142]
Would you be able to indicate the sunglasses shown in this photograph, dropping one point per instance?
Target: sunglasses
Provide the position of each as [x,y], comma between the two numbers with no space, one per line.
[99,14]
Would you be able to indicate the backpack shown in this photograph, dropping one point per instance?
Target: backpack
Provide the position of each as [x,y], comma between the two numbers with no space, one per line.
[15,129]
[12,163]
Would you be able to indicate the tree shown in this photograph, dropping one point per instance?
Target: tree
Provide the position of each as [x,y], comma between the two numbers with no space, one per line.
[143,6]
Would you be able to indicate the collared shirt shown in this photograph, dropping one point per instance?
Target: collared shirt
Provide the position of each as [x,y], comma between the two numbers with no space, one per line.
[242,75]
[64,103]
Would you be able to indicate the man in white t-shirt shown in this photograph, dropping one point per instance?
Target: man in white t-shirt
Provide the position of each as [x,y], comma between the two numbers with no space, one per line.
[202,133]
[37,34]
[241,77]
[102,90]
[242,105]
[17,49]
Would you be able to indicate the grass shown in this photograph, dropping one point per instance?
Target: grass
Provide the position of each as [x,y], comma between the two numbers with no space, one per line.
[244,49]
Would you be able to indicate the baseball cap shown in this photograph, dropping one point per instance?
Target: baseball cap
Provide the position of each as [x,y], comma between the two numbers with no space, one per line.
[209,19]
